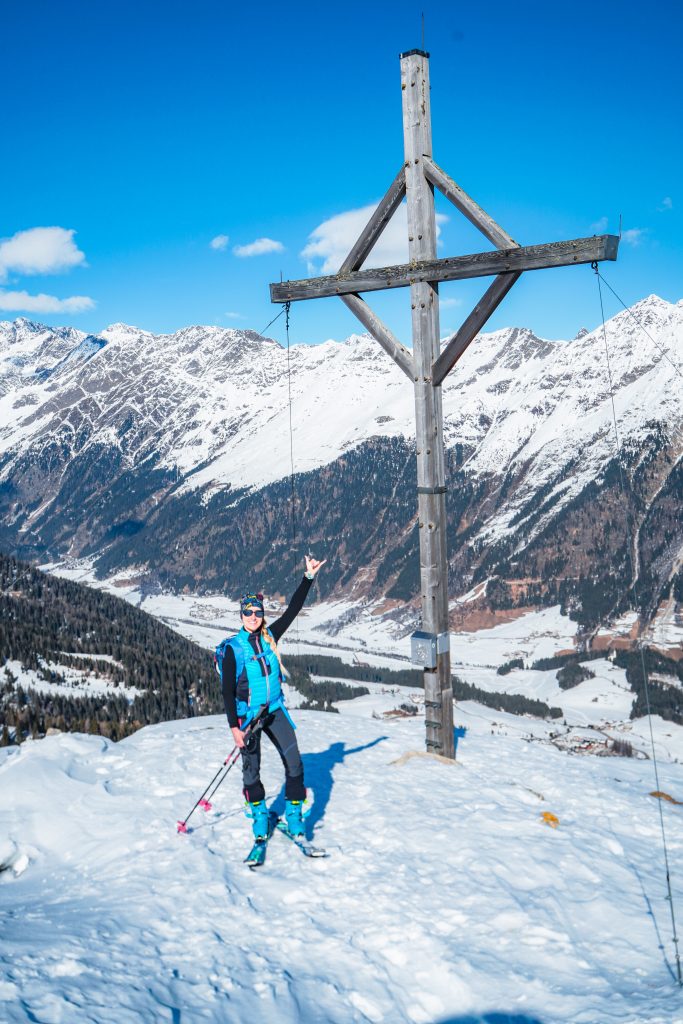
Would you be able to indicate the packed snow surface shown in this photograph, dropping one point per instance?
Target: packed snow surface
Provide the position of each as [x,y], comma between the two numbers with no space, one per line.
[445,896]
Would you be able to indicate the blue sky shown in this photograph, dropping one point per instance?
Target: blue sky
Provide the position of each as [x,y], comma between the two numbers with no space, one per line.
[146,131]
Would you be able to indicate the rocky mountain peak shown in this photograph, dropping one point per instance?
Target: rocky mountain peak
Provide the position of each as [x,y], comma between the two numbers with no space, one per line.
[172,423]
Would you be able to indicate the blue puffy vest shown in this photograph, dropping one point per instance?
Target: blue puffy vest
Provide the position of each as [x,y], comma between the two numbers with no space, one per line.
[254,688]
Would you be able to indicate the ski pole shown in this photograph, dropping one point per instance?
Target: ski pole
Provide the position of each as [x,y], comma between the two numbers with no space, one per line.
[206,804]
[251,730]
[182,825]
[253,727]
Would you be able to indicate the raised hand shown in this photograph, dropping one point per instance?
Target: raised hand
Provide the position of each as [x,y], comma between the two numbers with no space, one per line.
[313,565]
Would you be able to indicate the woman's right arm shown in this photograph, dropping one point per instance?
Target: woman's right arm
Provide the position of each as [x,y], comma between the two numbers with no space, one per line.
[229,685]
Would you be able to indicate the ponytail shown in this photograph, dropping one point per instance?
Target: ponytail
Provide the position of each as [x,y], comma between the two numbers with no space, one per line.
[270,640]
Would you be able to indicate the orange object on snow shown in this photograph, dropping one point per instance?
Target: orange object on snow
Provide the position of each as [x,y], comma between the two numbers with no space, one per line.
[665,796]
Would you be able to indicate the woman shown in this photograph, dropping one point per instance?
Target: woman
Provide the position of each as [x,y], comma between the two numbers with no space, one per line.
[251,674]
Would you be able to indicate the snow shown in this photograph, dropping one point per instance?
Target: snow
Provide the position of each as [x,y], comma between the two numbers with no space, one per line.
[445,896]
[606,698]
[540,409]
[666,630]
[519,401]
[73,682]
[534,635]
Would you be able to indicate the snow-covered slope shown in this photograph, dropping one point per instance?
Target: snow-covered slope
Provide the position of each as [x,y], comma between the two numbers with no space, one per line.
[548,405]
[445,896]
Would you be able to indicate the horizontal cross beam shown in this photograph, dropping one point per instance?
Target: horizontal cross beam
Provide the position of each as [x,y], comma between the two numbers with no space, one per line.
[455,268]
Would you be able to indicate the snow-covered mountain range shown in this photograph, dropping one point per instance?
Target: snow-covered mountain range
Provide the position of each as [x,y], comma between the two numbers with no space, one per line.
[170,455]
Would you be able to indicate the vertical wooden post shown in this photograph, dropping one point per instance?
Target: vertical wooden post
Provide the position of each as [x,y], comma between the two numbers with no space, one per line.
[431,477]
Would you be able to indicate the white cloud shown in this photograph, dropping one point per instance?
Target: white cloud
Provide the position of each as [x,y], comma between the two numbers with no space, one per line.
[39,251]
[449,303]
[332,240]
[23,302]
[235,316]
[220,242]
[667,204]
[633,236]
[259,247]
[599,226]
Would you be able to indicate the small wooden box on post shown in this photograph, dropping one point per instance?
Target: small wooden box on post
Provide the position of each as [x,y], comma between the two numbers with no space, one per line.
[429,364]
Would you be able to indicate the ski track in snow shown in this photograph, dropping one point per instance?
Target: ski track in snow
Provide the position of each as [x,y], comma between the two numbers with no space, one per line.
[444,897]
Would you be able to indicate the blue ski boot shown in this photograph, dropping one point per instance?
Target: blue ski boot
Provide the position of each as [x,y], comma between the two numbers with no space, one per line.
[294,817]
[258,812]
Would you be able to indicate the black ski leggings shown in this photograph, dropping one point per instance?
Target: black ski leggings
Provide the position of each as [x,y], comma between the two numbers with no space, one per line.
[279,731]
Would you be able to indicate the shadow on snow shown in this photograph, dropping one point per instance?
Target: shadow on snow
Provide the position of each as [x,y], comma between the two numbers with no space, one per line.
[319,776]
[491,1018]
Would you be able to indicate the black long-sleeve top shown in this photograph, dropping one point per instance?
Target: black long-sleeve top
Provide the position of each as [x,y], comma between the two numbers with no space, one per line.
[229,673]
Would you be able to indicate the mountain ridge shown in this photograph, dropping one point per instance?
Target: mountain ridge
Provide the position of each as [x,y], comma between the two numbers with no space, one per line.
[528,426]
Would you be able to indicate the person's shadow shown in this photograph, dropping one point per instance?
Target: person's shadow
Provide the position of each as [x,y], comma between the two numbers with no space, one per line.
[319,775]
[459,733]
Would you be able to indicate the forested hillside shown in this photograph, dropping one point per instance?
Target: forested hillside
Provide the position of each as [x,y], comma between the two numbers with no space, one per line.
[62,635]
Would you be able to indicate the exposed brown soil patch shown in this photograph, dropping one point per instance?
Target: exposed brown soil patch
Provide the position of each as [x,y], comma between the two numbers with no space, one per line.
[485,619]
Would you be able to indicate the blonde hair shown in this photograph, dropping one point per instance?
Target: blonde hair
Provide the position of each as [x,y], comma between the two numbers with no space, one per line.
[270,640]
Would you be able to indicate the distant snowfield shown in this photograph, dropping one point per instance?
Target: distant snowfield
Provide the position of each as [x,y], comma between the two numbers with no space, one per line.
[445,897]
[344,627]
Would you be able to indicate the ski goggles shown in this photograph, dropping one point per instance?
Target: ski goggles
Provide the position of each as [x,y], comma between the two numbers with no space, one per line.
[251,603]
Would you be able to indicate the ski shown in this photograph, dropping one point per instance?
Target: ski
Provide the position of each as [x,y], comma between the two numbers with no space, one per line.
[256,857]
[306,848]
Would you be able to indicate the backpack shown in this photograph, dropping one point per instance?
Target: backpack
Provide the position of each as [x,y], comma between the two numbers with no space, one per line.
[220,654]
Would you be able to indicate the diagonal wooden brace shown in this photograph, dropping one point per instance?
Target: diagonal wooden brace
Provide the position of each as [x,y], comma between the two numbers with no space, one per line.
[467,206]
[486,306]
[381,333]
[377,223]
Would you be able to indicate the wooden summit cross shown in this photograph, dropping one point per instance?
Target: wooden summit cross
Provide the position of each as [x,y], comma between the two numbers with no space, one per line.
[428,365]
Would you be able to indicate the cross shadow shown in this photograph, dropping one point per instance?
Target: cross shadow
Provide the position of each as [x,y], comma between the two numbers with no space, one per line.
[648,903]
[318,773]
[492,1018]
